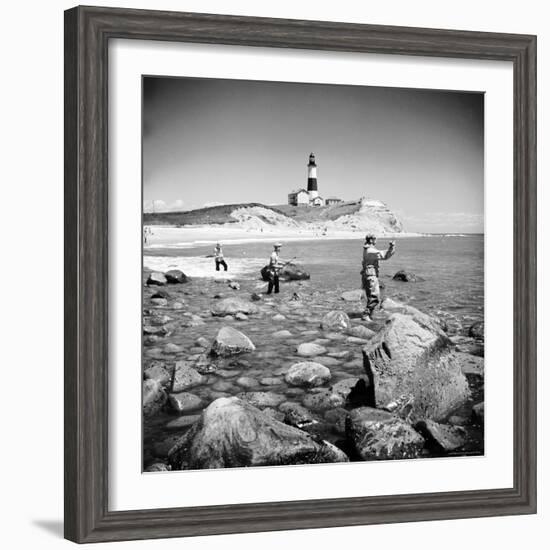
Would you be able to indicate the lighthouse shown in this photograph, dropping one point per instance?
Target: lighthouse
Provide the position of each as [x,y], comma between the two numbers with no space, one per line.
[312,178]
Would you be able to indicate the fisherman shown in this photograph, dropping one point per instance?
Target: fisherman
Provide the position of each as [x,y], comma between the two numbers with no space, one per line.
[218,256]
[369,273]
[275,267]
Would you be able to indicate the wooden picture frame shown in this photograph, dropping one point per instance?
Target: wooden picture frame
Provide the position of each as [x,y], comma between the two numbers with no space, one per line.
[87,34]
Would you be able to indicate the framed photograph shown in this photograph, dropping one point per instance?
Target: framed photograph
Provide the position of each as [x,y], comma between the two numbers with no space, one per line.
[300,274]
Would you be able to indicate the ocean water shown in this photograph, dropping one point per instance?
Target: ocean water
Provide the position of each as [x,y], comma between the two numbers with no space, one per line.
[451,269]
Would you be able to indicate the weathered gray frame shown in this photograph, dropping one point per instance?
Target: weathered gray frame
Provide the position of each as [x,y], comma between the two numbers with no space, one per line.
[87,34]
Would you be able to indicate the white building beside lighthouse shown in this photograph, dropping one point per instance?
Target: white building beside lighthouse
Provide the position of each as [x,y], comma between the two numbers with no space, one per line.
[309,196]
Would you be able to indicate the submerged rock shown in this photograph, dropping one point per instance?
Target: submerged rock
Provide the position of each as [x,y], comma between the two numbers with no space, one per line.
[175,276]
[232,433]
[231,306]
[185,377]
[296,415]
[477,330]
[310,349]
[335,321]
[230,341]
[379,435]
[185,402]
[353,295]
[411,364]
[307,374]
[406,277]
[323,400]
[153,397]
[156,278]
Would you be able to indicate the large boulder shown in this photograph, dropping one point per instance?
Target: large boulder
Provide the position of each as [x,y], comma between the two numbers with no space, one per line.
[413,370]
[231,306]
[291,272]
[307,374]
[153,397]
[156,279]
[175,276]
[230,341]
[432,323]
[477,330]
[441,437]
[380,435]
[232,433]
[335,321]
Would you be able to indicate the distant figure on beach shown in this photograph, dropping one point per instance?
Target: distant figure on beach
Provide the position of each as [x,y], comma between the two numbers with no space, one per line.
[275,266]
[369,273]
[218,257]
[146,233]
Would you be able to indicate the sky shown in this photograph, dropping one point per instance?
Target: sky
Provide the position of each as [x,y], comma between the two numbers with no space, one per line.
[212,141]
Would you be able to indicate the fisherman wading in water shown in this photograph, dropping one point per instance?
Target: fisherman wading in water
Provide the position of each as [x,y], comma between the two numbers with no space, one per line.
[218,255]
[275,267]
[369,273]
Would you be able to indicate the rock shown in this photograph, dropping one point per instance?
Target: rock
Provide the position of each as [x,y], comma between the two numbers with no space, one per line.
[406,277]
[307,374]
[344,355]
[296,415]
[172,348]
[470,364]
[255,297]
[282,334]
[379,435]
[175,276]
[355,340]
[182,422]
[344,387]
[161,293]
[234,285]
[335,321]
[278,317]
[270,381]
[202,342]
[178,305]
[158,467]
[222,386]
[232,306]
[412,364]
[156,278]
[230,341]
[477,330]
[185,377]
[327,361]
[478,413]
[247,382]
[158,373]
[323,400]
[337,418]
[185,402]
[262,399]
[241,316]
[159,302]
[232,433]
[359,331]
[440,437]
[291,272]
[457,420]
[423,319]
[192,321]
[309,349]
[153,397]
[353,295]
[204,365]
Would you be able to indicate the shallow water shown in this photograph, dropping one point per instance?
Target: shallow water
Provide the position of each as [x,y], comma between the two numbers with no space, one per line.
[453,289]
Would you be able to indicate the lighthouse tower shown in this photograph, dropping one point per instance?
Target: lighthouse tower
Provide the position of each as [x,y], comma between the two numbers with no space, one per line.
[312,178]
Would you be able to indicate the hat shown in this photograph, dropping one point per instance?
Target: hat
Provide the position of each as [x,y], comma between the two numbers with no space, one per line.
[370,237]
[277,245]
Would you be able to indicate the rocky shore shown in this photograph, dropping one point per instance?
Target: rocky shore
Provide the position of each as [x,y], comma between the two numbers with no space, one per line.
[234,378]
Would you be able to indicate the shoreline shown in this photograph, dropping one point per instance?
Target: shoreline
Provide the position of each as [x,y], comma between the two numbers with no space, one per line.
[167,237]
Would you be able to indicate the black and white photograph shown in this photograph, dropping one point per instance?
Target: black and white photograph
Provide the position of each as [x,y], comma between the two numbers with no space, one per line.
[313,273]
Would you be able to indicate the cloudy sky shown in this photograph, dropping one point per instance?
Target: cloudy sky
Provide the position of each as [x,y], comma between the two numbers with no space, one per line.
[210,141]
